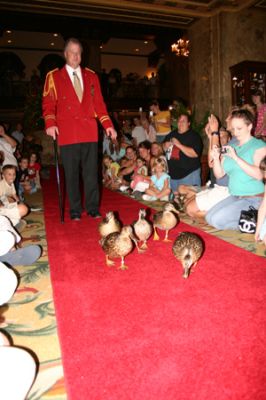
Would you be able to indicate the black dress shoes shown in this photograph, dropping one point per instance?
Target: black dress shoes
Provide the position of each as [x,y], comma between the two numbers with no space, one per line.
[94,214]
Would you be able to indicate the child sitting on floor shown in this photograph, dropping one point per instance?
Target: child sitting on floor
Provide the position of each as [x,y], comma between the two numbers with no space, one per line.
[34,171]
[110,172]
[139,180]
[9,199]
[24,183]
[159,188]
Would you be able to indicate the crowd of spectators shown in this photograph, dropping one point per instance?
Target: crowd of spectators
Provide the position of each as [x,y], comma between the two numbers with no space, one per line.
[152,160]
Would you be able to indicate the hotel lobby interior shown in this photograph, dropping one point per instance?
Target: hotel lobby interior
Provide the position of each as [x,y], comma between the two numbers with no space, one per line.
[101,333]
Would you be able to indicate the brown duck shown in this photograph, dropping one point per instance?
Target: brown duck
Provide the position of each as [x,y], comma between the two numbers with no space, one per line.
[118,245]
[142,229]
[188,248]
[165,220]
[109,224]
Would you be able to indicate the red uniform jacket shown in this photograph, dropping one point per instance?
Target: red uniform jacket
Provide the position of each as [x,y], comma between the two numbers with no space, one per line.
[76,121]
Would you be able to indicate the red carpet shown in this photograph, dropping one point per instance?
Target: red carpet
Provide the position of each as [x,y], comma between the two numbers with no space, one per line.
[146,333]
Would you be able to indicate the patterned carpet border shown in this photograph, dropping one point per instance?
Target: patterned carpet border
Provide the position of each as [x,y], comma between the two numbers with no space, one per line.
[29,317]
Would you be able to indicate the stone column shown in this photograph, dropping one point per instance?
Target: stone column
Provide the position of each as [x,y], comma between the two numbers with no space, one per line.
[176,81]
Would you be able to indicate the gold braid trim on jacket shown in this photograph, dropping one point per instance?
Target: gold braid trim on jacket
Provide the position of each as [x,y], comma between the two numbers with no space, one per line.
[91,70]
[49,84]
[104,118]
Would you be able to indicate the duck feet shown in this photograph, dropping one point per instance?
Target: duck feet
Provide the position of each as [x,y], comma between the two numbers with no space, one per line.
[123,266]
[144,246]
[109,263]
[156,236]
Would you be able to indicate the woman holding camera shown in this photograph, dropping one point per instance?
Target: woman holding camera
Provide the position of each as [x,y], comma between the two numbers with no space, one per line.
[241,163]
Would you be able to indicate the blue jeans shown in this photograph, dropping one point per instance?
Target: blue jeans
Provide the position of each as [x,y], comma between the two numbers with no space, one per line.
[192,179]
[226,213]
[24,256]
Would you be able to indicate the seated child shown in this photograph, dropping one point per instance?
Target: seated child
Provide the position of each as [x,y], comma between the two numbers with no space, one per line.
[139,180]
[128,164]
[34,171]
[110,172]
[24,184]
[156,151]
[9,206]
[159,188]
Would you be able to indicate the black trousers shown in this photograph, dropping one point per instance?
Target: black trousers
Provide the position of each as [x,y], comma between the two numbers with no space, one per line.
[81,157]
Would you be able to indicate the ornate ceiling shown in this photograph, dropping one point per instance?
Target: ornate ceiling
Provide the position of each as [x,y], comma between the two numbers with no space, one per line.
[165,13]
[162,21]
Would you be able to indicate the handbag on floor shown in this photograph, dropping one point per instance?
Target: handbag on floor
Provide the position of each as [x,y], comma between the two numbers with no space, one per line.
[248,220]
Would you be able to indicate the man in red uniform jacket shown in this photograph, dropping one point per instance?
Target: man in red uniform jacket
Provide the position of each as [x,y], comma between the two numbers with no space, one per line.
[71,116]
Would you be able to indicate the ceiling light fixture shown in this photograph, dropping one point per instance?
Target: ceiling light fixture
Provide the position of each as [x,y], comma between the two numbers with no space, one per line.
[181,47]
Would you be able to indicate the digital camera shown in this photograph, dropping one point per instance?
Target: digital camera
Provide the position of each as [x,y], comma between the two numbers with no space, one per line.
[224,150]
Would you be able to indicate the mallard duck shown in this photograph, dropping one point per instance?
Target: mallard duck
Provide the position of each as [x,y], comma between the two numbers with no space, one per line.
[109,224]
[165,220]
[142,229]
[118,245]
[188,248]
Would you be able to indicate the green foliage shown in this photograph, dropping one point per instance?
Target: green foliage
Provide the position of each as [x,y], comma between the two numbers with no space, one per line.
[32,119]
[198,126]
[178,109]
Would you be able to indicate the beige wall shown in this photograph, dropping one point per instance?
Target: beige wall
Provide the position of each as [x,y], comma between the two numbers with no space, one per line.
[216,44]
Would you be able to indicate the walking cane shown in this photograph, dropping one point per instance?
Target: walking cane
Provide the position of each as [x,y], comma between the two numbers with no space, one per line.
[58,181]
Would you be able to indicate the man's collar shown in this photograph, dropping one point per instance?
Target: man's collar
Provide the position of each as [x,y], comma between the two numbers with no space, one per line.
[70,70]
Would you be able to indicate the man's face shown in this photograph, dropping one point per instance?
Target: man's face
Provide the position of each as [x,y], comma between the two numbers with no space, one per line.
[73,55]
[183,124]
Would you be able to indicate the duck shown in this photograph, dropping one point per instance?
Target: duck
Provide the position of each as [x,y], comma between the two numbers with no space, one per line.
[165,220]
[109,224]
[142,229]
[118,245]
[188,248]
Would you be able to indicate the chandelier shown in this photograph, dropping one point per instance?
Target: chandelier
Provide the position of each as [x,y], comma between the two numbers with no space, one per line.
[181,47]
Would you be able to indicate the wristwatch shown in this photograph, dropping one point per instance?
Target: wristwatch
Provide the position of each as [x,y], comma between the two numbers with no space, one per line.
[215,133]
